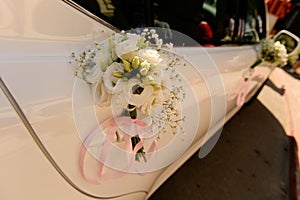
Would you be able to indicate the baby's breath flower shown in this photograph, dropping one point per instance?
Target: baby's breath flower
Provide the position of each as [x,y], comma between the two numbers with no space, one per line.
[169,45]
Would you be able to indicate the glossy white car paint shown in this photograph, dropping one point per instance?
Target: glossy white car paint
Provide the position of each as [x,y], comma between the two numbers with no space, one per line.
[37,37]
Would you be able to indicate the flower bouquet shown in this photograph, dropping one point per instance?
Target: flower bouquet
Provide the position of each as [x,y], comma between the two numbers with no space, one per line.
[134,75]
[271,51]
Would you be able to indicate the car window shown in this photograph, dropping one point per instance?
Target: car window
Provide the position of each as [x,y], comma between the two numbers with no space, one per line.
[123,14]
[239,21]
[209,22]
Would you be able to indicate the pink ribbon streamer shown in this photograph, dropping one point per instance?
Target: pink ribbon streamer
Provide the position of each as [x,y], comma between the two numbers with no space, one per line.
[243,91]
[112,125]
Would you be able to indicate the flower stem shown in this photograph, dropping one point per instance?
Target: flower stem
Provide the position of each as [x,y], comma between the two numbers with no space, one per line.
[257,62]
[140,153]
[136,139]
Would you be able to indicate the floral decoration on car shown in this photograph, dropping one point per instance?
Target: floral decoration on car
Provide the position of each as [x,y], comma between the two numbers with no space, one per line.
[133,74]
[272,52]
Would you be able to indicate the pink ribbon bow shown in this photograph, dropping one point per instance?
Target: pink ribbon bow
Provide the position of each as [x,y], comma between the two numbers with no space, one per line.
[135,126]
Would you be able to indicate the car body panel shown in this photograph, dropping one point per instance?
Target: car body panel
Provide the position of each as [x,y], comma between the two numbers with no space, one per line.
[36,44]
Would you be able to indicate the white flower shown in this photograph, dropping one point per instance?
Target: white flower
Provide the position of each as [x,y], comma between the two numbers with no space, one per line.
[277,45]
[281,53]
[124,87]
[128,45]
[140,99]
[109,80]
[94,76]
[170,45]
[155,98]
[144,100]
[151,55]
[274,52]
[159,43]
[117,38]
[101,96]
[103,58]
[152,31]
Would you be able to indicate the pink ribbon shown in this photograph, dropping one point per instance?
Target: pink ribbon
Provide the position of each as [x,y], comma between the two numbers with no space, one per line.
[242,92]
[112,126]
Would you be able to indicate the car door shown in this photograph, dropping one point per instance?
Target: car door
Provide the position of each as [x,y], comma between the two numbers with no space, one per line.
[36,47]
[36,44]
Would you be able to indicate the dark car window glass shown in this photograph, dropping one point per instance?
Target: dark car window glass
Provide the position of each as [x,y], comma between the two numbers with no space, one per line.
[215,22]
[240,21]
[209,22]
[123,14]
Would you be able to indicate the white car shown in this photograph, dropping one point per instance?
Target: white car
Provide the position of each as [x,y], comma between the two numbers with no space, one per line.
[43,112]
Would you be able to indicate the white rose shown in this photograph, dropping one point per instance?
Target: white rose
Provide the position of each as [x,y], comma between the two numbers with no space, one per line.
[127,45]
[151,55]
